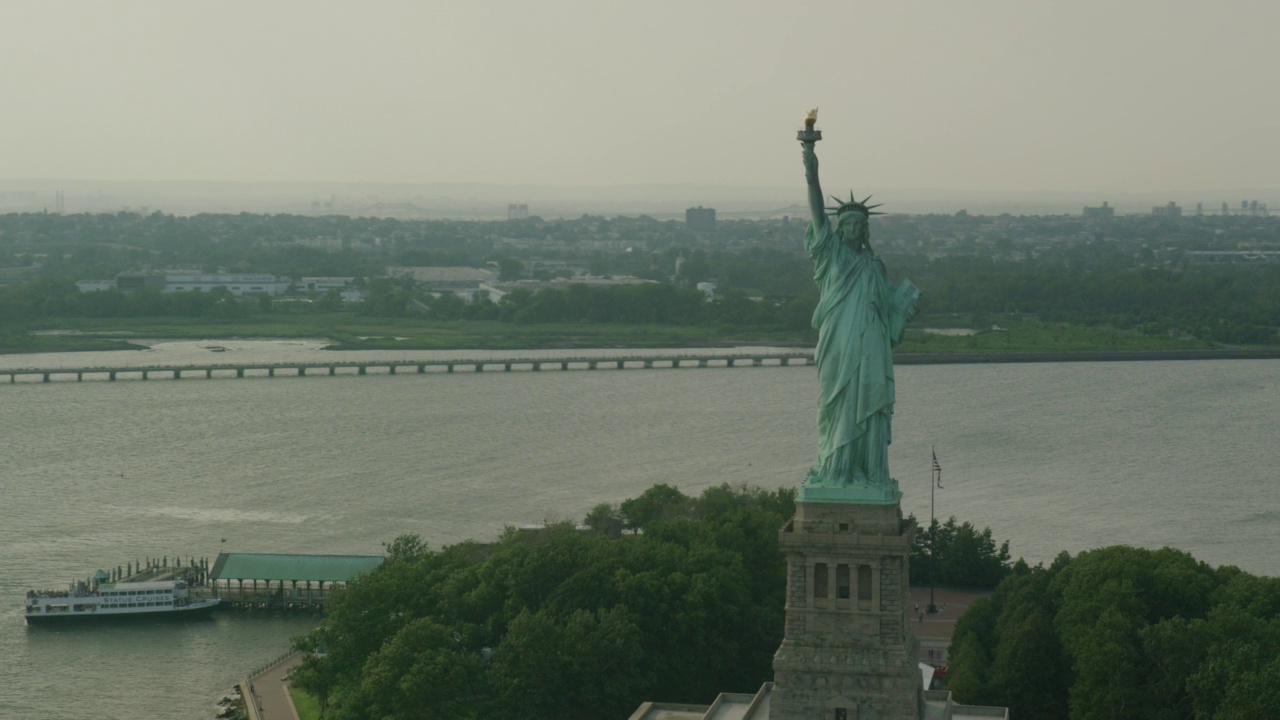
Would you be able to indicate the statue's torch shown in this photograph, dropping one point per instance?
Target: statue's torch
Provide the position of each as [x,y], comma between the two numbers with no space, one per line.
[809,134]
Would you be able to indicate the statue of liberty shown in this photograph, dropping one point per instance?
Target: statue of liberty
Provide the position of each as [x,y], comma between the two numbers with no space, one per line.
[859,318]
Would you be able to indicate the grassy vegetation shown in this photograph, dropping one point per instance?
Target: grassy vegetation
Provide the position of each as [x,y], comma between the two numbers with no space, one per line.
[351,332]
[63,343]
[347,331]
[307,706]
[1030,335]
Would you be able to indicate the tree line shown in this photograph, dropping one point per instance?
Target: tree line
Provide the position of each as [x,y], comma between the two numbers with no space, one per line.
[1123,633]
[957,554]
[58,297]
[560,624]
[1228,304]
[641,303]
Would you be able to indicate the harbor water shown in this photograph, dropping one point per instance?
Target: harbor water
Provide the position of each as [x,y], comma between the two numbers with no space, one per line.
[1052,456]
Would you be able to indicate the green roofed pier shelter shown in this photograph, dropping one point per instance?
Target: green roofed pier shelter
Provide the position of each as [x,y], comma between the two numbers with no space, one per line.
[268,581]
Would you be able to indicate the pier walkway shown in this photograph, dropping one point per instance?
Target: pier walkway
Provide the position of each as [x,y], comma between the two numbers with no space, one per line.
[393,367]
[266,691]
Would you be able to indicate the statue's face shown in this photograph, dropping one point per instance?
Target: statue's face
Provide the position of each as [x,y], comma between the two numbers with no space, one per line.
[852,227]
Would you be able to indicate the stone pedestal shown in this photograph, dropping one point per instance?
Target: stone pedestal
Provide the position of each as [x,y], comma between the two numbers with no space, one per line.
[849,651]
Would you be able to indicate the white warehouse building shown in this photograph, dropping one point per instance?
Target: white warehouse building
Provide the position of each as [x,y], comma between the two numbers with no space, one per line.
[238,285]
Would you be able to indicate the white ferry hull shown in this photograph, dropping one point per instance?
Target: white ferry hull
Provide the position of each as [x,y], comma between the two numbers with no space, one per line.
[194,610]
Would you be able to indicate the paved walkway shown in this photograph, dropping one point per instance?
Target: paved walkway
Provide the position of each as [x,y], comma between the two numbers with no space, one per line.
[935,629]
[270,691]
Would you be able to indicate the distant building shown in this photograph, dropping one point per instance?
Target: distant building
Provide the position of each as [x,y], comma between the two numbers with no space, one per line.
[136,281]
[561,283]
[95,285]
[444,277]
[517,211]
[1172,209]
[700,218]
[323,284]
[708,289]
[331,244]
[1106,211]
[238,285]
[467,283]
[484,292]
[1252,207]
[1233,256]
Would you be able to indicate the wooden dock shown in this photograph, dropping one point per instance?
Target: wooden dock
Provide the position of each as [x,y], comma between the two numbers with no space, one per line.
[394,367]
[275,598]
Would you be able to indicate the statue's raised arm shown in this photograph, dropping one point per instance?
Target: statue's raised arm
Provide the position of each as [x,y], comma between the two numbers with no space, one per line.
[808,138]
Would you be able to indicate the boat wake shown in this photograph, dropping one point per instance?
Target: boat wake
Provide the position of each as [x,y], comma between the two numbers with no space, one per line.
[222,515]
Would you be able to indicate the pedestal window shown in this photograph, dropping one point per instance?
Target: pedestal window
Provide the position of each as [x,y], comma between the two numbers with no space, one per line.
[842,582]
[820,580]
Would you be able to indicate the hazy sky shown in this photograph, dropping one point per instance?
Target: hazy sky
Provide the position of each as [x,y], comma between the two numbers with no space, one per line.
[1023,95]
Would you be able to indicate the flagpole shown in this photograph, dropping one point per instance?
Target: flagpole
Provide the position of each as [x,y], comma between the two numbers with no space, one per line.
[933,535]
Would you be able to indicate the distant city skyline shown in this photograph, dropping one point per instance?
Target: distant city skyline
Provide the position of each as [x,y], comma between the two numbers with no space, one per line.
[480,201]
[1147,98]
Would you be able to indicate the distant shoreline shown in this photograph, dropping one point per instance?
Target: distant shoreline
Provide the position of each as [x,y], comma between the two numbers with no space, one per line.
[899,358]
[958,358]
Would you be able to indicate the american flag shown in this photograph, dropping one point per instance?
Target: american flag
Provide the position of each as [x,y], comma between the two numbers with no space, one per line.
[937,470]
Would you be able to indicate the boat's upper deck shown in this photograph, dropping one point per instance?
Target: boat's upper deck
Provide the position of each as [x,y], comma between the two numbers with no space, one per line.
[133,587]
[151,588]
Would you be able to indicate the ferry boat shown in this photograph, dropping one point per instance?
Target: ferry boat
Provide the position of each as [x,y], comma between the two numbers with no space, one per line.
[107,601]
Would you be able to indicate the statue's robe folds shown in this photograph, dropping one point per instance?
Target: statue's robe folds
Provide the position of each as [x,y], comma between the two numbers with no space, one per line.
[859,318]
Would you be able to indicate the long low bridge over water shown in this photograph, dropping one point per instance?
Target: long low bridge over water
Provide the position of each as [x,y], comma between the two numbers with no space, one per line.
[393,367]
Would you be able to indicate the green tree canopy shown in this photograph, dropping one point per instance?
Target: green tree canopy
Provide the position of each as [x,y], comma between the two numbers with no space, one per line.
[1123,632]
[957,554]
[562,623]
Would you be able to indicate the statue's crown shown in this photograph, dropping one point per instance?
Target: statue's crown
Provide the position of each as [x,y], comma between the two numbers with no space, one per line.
[853,206]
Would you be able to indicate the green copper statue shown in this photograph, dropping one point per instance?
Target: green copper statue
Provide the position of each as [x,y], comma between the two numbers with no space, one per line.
[858,318]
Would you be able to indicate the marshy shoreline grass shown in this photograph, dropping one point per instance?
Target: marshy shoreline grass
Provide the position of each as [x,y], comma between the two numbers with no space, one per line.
[1013,340]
